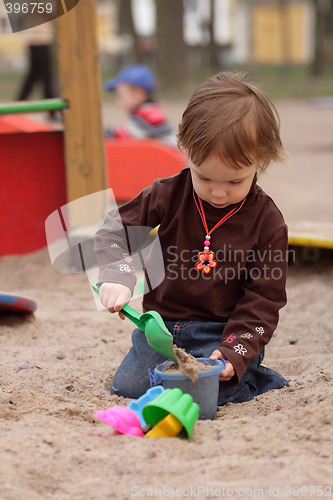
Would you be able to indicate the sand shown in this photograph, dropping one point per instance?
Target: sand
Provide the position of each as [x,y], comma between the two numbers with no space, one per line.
[57,367]
[186,364]
[53,447]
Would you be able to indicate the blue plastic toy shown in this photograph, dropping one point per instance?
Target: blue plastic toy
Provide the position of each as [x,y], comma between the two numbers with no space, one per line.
[138,404]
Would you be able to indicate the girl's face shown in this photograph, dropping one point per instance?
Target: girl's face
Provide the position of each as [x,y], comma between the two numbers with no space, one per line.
[219,184]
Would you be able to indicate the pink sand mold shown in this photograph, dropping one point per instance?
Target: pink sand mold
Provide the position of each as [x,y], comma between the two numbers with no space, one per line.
[123,419]
[138,404]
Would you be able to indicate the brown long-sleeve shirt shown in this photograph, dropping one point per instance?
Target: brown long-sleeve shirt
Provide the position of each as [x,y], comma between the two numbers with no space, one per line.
[246,289]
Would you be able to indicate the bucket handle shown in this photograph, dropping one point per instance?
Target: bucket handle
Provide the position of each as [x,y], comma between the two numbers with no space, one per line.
[154,378]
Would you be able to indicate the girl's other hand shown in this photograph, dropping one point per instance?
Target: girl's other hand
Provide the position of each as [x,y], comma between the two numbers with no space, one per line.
[229,370]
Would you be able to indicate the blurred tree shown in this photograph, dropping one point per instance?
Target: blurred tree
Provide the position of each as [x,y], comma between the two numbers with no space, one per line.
[171,50]
[212,47]
[126,26]
[286,32]
[323,8]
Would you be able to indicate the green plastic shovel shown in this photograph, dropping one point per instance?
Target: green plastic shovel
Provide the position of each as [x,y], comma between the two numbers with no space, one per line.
[152,325]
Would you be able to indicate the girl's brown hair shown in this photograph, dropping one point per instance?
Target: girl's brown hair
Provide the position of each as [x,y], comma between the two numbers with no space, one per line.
[235,120]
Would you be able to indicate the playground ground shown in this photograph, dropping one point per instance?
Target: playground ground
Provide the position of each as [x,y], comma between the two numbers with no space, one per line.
[51,445]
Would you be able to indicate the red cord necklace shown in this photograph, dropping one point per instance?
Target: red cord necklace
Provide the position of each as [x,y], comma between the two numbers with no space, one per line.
[207,257]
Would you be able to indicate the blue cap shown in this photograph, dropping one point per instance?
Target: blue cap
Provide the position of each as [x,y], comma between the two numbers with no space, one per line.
[136,75]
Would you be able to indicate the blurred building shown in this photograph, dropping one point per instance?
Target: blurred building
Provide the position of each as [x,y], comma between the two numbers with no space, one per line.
[282,31]
[260,31]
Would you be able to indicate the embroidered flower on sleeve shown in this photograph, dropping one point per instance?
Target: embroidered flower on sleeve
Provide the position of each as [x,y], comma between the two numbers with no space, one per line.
[246,335]
[127,257]
[240,349]
[124,268]
[260,330]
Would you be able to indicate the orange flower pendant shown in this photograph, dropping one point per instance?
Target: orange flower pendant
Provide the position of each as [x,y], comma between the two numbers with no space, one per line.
[206,261]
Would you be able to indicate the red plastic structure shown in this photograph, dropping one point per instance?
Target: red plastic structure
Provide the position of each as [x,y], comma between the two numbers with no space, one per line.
[33,177]
[32,182]
[135,164]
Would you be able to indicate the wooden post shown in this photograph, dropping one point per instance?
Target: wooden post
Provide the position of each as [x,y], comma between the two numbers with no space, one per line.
[80,81]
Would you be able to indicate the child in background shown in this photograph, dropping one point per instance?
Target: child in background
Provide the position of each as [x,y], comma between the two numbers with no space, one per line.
[223,239]
[39,40]
[134,87]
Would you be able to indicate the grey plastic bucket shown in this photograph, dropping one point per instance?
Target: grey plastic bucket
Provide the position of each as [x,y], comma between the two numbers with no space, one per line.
[204,390]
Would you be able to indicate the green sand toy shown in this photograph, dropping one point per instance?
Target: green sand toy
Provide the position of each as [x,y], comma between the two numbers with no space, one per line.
[175,402]
[152,325]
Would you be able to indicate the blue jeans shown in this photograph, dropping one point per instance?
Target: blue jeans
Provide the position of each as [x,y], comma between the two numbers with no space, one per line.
[198,339]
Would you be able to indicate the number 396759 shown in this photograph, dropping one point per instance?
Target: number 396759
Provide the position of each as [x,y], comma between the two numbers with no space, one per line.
[29,8]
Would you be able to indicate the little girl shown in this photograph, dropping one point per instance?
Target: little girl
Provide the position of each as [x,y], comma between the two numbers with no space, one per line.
[224,244]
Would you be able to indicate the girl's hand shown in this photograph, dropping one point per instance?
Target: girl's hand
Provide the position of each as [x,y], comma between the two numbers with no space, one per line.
[114,296]
[229,370]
